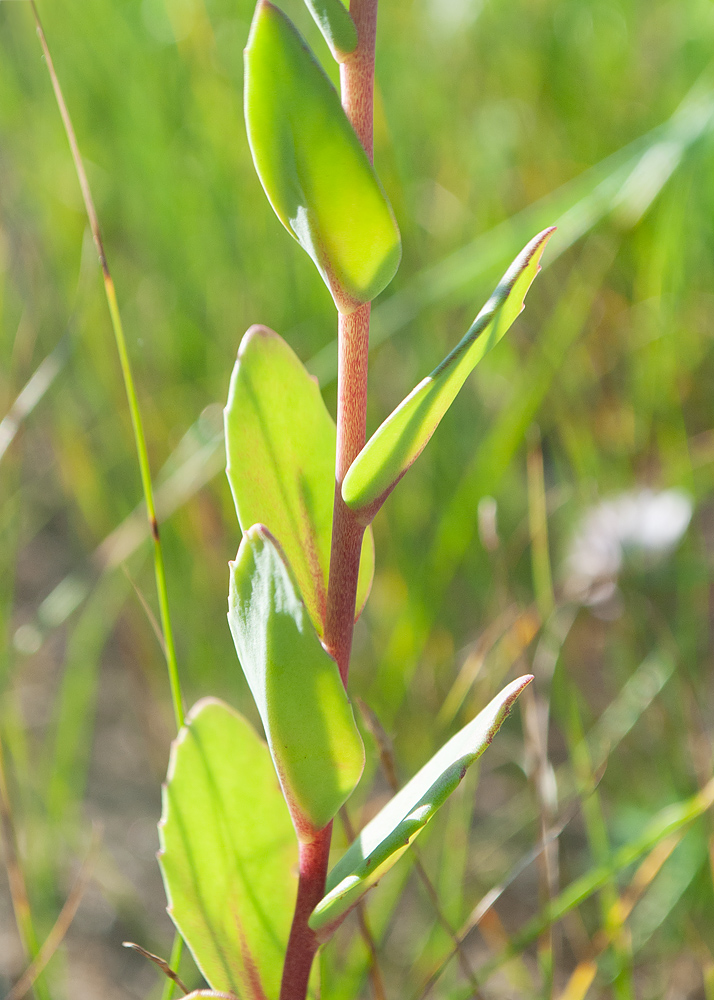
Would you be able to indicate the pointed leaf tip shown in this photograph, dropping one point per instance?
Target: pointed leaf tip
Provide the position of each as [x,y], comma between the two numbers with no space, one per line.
[307,717]
[312,166]
[399,441]
[385,838]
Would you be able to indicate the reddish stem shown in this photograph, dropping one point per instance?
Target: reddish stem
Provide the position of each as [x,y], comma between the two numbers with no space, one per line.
[357,80]
[303,943]
[347,534]
[357,73]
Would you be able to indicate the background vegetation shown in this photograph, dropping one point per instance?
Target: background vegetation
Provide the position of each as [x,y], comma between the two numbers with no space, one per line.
[493,119]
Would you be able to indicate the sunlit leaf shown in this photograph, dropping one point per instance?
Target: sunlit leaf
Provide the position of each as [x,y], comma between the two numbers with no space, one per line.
[280,442]
[334,21]
[228,852]
[307,717]
[402,437]
[385,838]
[312,166]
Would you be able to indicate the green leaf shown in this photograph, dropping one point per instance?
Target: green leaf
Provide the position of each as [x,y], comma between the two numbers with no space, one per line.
[308,720]
[228,852]
[400,440]
[312,165]
[385,838]
[334,21]
[280,441]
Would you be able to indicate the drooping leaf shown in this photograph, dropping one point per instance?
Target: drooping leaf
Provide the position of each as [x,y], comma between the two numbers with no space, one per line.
[385,838]
[228,852]
[308,721]
[400,440]
[335,22]
[280,443]
[312,165]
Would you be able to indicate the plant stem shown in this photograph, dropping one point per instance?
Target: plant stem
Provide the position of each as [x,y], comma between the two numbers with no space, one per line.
[139,437]
[303,943]
[357,73]
[353,344]
[357,81]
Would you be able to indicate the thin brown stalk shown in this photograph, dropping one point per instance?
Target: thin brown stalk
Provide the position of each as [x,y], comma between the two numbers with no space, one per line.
[160,962]
[535,725]
[16,879]
[172,977]
[493,895]
[536,709]
[56,936]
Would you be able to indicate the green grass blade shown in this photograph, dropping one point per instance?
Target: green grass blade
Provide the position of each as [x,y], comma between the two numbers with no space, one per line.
[668,821]
[577,208]
[483,475]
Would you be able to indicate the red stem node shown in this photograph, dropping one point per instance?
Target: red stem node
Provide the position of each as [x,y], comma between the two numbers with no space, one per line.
[303,943]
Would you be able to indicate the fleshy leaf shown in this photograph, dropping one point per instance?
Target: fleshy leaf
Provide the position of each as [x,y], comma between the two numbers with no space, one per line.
[385,838]
[312,165]
[228,852]
[400,440]
[307,717]
[280,442]
[336,24]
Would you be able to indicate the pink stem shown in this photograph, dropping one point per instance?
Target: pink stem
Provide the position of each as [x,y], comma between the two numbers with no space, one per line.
[357,73]
[357,80]
[346,532]
[303,943]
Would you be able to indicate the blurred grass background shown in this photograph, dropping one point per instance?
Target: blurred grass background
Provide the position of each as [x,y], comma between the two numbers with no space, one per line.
[493,119]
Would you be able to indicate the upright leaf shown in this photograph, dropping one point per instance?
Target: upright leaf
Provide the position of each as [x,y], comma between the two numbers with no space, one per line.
[312,165]
[280,443]
[307,717]
[334,21]
[228,852]
[387,836]
[404,434]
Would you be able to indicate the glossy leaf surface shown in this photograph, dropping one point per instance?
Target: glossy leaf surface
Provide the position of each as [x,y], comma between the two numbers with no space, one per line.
[280,442]
[385,838]
[312,166]
[404,434]
[307,717]
[334,21]
[228,852]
